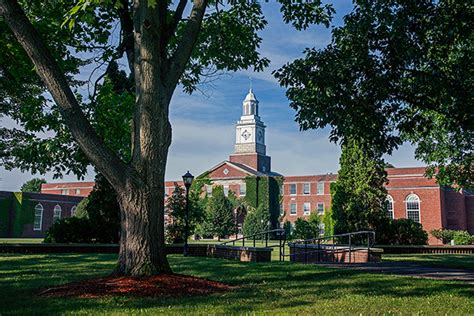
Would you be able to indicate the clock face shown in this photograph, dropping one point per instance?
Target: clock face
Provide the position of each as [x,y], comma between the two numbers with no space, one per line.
[246,135]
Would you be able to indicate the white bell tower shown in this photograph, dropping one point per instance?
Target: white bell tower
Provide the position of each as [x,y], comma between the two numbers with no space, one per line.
[250,146]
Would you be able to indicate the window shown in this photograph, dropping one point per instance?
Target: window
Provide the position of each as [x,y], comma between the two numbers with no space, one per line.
[306,188]
[413,207]
[320,187]
[389,206]
[322,229]
[56,213]
[78,191]
[65,191]
[293,189]
[281,189]
[226,190]
[320,208]
[243,189]
[306,208]
[292,209]
[282,210]
[38,217]
[73,210]
[209,190]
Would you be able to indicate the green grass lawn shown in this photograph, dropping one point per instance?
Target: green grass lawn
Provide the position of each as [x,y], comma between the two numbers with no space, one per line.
[277,287]
[436,260]
[21,240]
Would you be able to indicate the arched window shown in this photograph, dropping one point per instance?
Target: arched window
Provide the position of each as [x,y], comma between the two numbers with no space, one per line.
[413,207]
[73,210]
[389,206]
[56,213]
[38,217]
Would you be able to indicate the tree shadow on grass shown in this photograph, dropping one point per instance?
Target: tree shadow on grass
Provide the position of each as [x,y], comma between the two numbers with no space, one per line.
[261,286]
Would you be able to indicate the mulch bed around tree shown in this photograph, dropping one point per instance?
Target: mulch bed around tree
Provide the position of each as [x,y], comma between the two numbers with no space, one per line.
[163,285]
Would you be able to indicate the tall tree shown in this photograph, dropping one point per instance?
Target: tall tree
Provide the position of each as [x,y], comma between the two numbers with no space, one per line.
[395,71]
[33,185]
[165,43]
[219,219]
[359,193]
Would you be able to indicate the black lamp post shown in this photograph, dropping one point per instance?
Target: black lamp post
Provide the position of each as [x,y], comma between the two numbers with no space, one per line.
[187,180]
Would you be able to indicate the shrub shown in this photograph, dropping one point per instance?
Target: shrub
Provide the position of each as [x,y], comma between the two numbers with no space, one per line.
[256,221]
[403,232]
[70,230]
[305,229]
[462,237]
[444,235]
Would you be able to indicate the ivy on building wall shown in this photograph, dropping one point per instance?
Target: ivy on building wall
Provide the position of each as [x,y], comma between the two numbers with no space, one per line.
[24,213]
[5,204]
[264,192]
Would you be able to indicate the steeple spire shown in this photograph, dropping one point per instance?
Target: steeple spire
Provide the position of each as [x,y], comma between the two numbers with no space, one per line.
[250,104]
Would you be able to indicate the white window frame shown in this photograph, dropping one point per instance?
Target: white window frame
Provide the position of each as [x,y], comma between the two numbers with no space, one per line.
[226,190]
[389,202]
[306,208]
[306,184]
[78,191]
[73,210]
[57,216]
[65,191]
[296,188]
[320,188]
[38,207]
[244,191]
[416,200]
[317,208]
[296,209]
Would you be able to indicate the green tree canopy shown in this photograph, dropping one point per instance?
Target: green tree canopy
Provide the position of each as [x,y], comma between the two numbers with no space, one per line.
[359,194]
[33,185]
[219,217]
[163,44]
[395,71]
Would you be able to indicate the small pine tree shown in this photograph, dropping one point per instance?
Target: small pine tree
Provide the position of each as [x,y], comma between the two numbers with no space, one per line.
[256,221]
[359,192]
[176,206]
[219,216]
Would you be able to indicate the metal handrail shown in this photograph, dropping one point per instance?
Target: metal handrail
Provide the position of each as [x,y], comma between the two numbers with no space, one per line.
[279,231]
[334,250]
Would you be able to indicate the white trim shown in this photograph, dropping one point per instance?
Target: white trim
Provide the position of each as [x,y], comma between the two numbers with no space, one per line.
[57,218]
[419,206]
[41,217]
[55,201]
[296,209]
[309,208]
[317,209]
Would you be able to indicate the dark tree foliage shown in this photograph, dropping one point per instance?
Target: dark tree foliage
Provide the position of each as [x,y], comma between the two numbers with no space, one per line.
[402,231]
[359,193]
[256,221]
[395,71]
[305,229]
[33,185]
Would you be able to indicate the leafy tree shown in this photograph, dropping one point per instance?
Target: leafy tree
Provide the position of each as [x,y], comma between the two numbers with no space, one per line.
[176,205]
[305,229]
[81,209]
[395,71]
[219,215]
[163,48]
[287,229]
[256,221]
[33,185]
[328,221]
[359,193]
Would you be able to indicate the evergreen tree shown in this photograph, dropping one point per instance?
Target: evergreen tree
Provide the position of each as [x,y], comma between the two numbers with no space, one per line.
[359,193]
[219,215]
[256,221]
[176,206]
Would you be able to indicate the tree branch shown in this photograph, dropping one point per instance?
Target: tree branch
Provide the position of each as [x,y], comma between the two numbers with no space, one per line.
[186,45]
[48,70]
[127,32]
[178,14]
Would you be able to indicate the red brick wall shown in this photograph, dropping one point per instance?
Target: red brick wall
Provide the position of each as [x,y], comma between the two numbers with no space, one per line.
[68,188]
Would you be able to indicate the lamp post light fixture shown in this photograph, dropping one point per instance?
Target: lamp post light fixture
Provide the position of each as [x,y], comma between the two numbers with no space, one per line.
[187,180]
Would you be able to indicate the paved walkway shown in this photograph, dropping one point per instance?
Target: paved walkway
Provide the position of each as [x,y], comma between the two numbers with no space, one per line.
[410,269]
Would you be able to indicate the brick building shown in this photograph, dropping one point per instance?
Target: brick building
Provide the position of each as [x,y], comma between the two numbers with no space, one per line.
[410,193]
[29,215]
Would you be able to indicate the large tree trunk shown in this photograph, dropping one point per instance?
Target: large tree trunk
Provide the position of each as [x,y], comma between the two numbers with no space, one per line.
[142,243]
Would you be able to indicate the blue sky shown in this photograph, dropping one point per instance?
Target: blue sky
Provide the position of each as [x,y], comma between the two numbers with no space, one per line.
[203,123]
